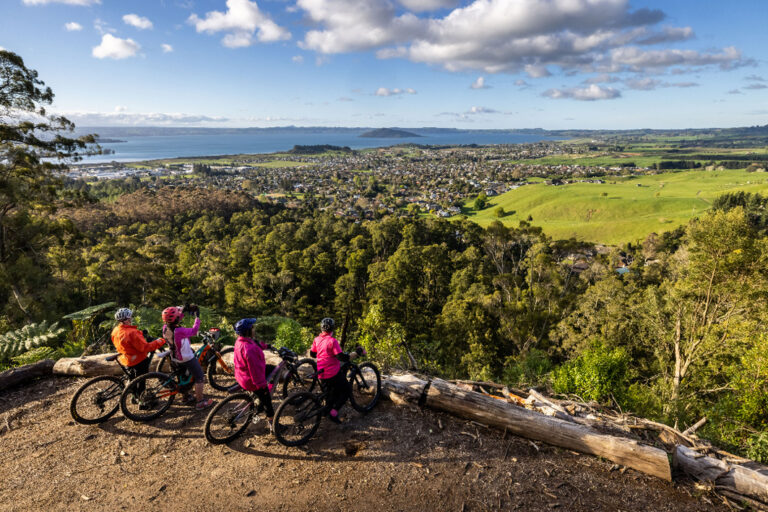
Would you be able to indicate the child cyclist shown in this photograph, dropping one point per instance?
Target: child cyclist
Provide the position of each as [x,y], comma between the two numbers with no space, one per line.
[181,349]
[131,343]
[251,369]
[329,358]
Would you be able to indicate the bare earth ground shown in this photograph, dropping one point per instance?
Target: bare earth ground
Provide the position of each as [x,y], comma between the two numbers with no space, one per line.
[395,458]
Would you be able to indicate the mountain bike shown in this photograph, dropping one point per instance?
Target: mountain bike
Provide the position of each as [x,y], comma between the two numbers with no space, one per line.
[99,398]
[230,417]
[221,369]
[299,415]
[147,397]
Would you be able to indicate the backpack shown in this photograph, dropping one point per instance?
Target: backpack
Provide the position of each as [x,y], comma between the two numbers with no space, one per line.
[169,337]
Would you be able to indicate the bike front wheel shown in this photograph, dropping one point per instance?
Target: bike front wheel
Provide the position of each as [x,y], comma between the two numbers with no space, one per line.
[302,377]
[96,400]
[221,371]
[297,419]
[148,396]
[229,418]
[365,381]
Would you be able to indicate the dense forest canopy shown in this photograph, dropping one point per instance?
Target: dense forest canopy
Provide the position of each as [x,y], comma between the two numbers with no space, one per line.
[678,334]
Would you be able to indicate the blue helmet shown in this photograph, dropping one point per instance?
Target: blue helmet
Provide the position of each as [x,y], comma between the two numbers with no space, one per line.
[243,327]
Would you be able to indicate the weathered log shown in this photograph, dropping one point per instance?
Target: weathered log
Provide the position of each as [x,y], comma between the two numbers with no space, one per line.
[404,388]
[16,376]
[87,366]
[469,404]
[747,480]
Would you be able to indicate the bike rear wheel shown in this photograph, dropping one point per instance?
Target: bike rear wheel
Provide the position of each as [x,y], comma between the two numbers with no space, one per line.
[365,381]
[149,396]
[297,419]
[221,371]
[229,418]
[96,400]
[302,378]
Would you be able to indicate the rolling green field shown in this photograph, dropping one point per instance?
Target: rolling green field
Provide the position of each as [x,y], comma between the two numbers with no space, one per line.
[622,209]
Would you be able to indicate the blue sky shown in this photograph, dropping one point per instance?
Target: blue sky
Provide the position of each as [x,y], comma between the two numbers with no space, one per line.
[452,63]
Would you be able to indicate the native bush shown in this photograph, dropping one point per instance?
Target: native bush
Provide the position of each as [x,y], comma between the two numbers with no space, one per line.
[599,373]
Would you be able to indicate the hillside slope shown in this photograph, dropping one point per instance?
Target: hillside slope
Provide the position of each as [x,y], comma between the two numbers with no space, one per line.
[395,458]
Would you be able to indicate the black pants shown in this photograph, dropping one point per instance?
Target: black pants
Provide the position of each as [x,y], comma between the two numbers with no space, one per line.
[265,400]
[338,389]
[138,370]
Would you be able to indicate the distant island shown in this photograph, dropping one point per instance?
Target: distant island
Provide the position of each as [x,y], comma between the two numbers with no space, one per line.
[100,140]
[389,133]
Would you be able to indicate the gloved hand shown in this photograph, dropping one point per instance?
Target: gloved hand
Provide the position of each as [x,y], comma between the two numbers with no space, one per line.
[195,310]
[269,346]
[145,333]
[360,351]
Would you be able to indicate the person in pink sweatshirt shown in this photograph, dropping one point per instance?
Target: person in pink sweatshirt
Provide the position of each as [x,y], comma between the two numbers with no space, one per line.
[251,370]
[181,349]
[329,358]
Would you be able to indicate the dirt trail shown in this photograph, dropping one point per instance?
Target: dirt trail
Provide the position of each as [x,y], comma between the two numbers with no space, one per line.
[396,458]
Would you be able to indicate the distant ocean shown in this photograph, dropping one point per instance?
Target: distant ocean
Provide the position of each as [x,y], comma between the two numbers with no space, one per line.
[171,146]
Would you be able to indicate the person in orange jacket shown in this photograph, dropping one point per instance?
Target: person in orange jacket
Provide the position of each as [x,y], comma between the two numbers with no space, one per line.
[130,343]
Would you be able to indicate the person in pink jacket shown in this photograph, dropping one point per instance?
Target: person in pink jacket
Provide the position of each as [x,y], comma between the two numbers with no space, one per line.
[181,349]
[251,370]
[329,358]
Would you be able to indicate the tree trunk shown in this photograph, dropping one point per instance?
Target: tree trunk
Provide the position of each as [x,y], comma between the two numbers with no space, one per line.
[450,398]
[748,480]
[87,366]
[16,376]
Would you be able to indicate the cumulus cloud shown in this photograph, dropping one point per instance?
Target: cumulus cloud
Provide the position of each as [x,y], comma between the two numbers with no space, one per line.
[427,5]
[73,26]
[521,83]
[67,2]
[593,92]
[121,117]
[507,36]
[650,84]
[112,47]
[167,48]
[479,84]
[137,21]
[383,91]
[240,22]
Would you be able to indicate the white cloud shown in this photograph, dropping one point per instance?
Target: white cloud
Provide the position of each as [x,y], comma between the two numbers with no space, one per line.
[121,117]
[102,27]
[427,5]
[755,78]
[755,87]
[112,47]
[298,59]
[137,21]
[167,48]
[591,93]
[496,36]
[521,83]
[73,26]
[67,2]
[482,110]
[242,19]
[383,91]
[479,84]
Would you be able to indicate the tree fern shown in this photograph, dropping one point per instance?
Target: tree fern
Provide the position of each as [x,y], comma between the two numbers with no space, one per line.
[29,337]
[90,312]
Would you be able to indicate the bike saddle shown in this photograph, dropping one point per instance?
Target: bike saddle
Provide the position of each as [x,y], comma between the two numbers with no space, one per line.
[112,357]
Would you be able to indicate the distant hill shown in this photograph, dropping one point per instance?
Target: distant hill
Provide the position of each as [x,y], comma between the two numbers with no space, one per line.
[389,133]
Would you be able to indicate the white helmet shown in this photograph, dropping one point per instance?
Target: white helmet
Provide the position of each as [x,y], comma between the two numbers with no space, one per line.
[123,314]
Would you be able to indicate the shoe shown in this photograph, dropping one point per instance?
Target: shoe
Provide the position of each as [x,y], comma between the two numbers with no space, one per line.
[333,415]
[204,404]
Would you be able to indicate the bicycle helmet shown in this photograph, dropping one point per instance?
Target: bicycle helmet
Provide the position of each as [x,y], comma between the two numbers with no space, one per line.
[243,327]
[326,324]
[123,314]
[172,315]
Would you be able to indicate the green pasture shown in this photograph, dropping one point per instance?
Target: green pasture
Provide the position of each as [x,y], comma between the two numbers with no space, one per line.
[620,210]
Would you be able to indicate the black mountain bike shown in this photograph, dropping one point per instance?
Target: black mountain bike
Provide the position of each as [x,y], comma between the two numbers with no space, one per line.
[230,417]
[99,398]
[217,359]
[298,417]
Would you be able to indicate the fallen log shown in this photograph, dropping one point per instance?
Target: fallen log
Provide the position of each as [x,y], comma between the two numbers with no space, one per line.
[696,426]
[86,366]
[402,389]
[16,376]
[750,481]
[450,398]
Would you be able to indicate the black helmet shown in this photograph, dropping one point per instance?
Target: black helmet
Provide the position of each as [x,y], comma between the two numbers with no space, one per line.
[326,324]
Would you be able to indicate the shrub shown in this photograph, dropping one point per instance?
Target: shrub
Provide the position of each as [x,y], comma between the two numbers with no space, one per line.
[757,447]
[529,369]
[599,373]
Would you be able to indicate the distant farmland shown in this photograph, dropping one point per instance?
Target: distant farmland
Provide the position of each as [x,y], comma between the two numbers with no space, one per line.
[622,209]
